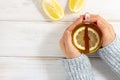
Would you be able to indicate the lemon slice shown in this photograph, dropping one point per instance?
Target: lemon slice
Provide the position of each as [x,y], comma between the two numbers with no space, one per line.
[94,40]
[52,9]
[78,38]
[75,5]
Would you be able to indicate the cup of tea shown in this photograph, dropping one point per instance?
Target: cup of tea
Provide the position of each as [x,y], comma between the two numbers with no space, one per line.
[86,36]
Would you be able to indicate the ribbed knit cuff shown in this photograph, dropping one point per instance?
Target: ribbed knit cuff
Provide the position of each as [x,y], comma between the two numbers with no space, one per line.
[78,68]
[111,55]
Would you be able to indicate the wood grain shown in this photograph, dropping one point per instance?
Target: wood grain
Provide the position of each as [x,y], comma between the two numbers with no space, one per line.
[29,40]
[34,38]
[17,68]
[31,10]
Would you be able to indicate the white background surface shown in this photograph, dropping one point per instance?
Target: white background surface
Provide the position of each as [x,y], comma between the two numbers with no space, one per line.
[29,41]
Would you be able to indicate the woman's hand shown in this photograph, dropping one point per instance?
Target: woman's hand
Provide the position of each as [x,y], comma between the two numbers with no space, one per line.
[108,34]
[66,41]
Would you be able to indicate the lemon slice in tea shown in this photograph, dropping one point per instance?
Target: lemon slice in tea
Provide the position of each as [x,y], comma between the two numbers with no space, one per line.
[87,37]
[75,5]
[53,9]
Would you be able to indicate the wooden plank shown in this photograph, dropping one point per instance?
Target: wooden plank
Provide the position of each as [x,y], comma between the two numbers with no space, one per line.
[31,9]
[16,68]
[33,38]
[30,38]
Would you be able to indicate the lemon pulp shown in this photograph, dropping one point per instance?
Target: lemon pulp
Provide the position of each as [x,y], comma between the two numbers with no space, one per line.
[94,34]
[52,9]
[75,5]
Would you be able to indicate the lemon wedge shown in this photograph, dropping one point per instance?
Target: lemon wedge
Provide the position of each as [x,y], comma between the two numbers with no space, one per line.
[75,5]
[52,9]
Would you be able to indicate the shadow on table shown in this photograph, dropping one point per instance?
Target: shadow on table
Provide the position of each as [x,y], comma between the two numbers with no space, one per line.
[38,4]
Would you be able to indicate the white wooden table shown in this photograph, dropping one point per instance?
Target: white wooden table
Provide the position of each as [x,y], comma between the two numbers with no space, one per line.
[29,41]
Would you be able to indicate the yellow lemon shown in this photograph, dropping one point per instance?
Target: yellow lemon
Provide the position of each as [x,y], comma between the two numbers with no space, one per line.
[93,43]
[75,5]
[52,9]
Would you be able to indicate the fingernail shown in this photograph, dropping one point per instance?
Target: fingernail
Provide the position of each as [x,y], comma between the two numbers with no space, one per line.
[68,32]
[100,22]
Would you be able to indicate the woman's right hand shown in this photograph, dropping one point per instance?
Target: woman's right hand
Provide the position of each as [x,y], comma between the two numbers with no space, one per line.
[108,34]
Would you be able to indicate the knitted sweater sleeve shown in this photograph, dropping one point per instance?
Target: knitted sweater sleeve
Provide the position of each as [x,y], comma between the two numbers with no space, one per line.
[78,68]
[111,55]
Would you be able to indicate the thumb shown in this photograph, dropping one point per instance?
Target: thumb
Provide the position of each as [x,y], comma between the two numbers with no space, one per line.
[69,40]
[100,24]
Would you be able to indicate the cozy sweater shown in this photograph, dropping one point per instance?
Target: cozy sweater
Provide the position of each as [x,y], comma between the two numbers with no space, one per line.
[80,68]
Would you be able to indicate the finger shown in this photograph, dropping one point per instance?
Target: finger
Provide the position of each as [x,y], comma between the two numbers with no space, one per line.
[98,19]
[68,40]
[78,21]
[101,23]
